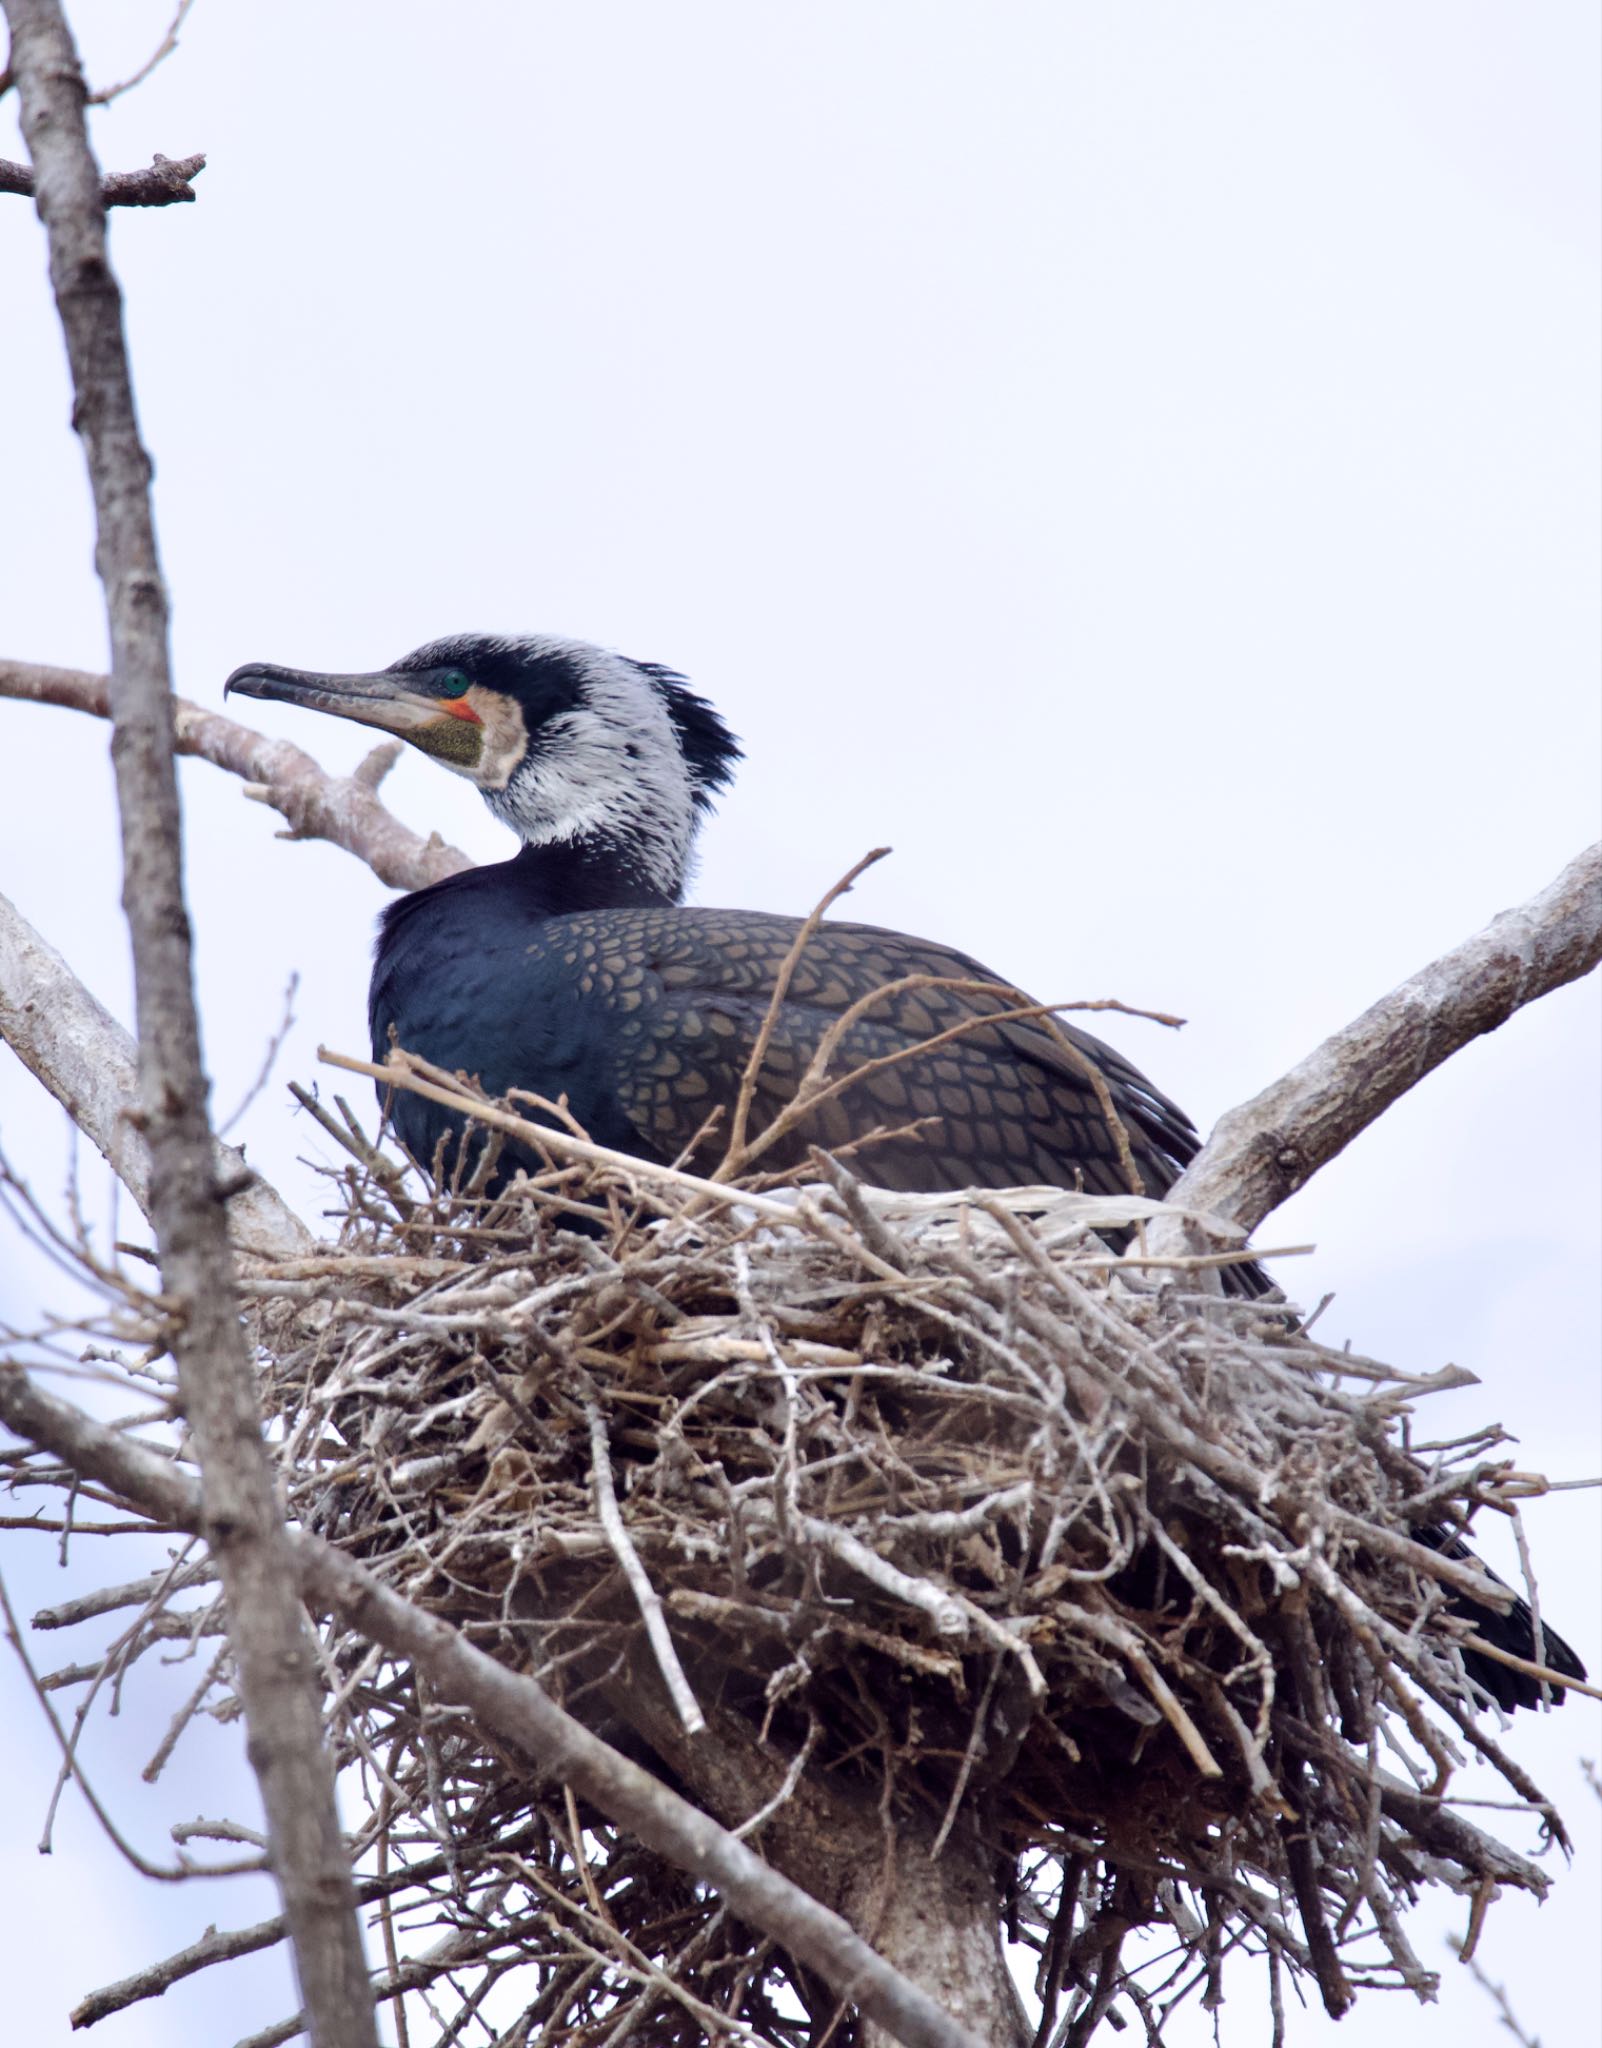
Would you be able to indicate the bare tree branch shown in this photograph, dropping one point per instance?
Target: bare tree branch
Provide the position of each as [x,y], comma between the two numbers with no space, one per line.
[156,1979]
[274,1657]
[169,42]
[342,809]
[519,1711]
[75,1047]
[1260,1153]
[165,181]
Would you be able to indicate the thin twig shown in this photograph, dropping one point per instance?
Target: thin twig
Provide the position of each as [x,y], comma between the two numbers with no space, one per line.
[275,1046]
[163,1873]
[646,1597]
[735,1150]
[164,48]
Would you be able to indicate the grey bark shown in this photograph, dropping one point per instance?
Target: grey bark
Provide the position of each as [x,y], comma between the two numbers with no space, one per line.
[77,1050]
[940,1921]
[277,1672]
[1259,1154]
[165,181]
[343,809]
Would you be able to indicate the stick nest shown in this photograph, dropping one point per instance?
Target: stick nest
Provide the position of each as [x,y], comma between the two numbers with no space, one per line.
[951,1533]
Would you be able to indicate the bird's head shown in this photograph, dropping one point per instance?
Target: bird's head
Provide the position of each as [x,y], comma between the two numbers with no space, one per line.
[567,743]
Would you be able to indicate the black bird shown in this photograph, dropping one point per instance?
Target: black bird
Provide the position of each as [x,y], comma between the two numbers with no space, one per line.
[574,969]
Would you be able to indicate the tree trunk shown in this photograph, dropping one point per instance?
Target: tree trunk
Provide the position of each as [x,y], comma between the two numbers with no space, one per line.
[938,1921]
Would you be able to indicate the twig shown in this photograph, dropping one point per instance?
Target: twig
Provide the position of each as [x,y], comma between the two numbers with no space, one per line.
[970,1754]
[786,1791]
[943,1607]
[815,1089]
[185,1714]
[1301,1853]
[1532,1590]
[1123,1639]
[1464,1575]
[164,48]
[646,1597]
[275,1046]
[401,1071]
[107,1599]
[734,1152]
[1497,1993]
[163,1873]
[159,1977]
[1544,1672]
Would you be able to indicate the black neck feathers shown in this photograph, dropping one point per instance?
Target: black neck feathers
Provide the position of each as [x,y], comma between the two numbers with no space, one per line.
[537,882]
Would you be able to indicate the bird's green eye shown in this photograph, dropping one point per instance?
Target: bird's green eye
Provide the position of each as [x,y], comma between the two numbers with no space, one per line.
[451,682]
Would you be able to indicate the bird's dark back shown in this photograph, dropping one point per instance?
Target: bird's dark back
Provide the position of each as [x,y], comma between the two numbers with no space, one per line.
[644,1018]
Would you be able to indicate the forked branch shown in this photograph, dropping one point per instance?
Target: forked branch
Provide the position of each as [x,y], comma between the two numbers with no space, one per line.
[343,809]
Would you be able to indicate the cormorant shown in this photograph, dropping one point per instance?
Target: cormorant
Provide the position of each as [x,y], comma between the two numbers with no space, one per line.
[574,970]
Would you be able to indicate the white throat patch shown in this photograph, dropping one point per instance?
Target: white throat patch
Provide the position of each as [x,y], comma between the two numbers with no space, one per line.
[610,768]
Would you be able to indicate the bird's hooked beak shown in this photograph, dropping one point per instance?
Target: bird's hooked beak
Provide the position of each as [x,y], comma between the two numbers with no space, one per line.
[389,698]
[478,733]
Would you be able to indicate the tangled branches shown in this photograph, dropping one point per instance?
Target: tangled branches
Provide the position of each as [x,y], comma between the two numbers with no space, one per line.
[899,1523]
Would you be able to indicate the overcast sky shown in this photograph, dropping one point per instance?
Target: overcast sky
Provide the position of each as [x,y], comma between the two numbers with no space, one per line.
[1140,462]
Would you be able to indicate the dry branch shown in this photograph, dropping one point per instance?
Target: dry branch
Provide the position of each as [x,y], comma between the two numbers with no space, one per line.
[77,1050]
[241,1520]
[165,181]
[1259,1154]
[343,809]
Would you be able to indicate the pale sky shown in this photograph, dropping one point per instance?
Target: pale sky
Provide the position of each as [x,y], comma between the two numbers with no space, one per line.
[1141,463]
